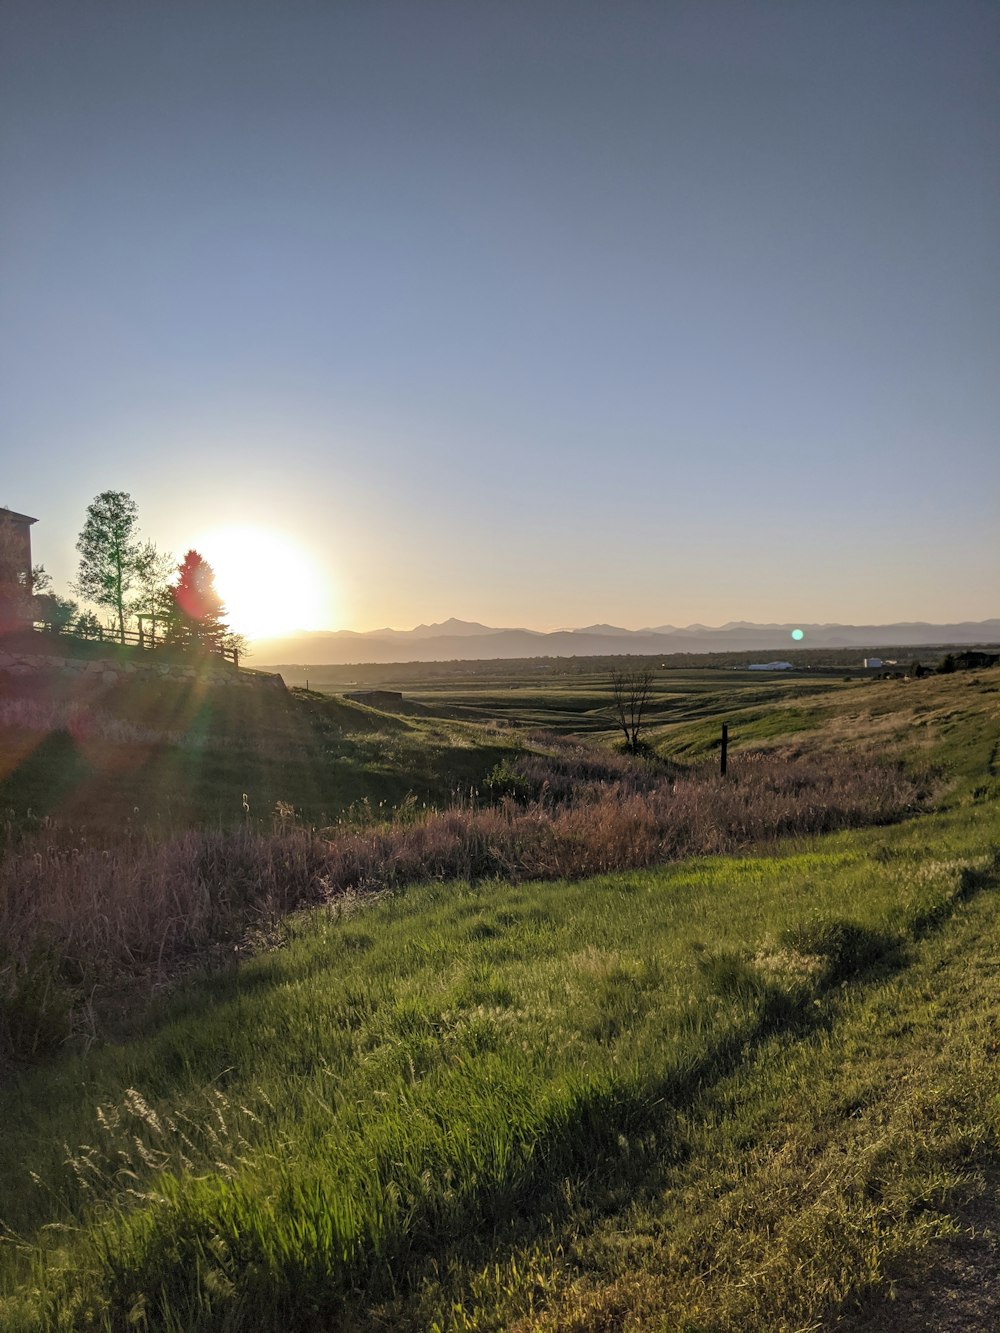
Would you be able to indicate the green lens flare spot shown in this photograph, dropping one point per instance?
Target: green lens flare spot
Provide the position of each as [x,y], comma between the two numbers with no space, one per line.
[798,634]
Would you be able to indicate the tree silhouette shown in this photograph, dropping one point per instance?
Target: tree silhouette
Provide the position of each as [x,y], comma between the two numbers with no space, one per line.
[109,553]
[193,610]
[631,699]
[54,612]
[88,626]
[153,571]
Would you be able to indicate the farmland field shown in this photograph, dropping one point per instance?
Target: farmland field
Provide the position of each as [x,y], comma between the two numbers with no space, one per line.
[470,1021]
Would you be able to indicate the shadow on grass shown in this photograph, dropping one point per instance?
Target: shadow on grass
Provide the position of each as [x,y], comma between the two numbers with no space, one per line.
[971,881]
[618,1141]
[466,1194]
[49,775]
[607,1136]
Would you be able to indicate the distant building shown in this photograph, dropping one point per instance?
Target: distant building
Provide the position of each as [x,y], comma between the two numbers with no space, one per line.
[873,663]
[15,570]
[769,666]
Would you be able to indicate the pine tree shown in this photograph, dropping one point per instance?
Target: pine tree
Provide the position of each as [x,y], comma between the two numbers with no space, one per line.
[194,612]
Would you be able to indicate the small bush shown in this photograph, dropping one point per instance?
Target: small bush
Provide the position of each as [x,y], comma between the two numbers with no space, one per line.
[504,782]
[729,976]
[848,949]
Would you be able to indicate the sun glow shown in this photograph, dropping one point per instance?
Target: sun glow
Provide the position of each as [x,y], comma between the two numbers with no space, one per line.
[268,584]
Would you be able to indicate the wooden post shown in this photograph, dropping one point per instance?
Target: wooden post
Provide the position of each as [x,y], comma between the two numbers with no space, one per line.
[723,753]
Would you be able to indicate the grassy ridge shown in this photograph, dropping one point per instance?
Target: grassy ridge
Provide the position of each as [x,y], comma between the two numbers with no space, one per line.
[178,755]
[728,1094]
[396,1090]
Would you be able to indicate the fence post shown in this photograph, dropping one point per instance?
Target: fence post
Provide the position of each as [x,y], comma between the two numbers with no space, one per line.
[723,753]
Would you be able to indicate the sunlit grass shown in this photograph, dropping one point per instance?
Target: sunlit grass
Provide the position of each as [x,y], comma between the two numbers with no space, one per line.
[727,1094]
[442,1072]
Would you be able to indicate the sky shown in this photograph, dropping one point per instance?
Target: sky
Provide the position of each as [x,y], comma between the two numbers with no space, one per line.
[526,312]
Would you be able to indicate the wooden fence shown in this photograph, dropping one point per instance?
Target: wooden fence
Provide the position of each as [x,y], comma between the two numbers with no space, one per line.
[136,638]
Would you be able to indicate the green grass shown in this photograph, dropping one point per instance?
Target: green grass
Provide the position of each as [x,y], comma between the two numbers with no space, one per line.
[729,1094]
[191,754]
[566,698]
[364,1117]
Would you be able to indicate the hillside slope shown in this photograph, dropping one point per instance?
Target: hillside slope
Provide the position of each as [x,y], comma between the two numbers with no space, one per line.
[734,1093]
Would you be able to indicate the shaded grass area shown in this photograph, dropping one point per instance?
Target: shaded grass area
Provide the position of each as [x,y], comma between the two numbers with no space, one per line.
[469,1105]
[173,755]
[816,1173]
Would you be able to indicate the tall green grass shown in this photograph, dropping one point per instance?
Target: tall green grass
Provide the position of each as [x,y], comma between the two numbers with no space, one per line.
[320,1129]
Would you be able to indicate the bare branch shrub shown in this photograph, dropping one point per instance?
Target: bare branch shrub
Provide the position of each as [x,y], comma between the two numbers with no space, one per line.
[631,691]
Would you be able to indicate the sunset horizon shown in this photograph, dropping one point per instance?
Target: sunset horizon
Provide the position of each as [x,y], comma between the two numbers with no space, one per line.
[635,314]
[499,666]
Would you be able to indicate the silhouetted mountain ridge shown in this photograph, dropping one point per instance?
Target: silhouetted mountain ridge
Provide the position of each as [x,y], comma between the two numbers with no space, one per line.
[467,640]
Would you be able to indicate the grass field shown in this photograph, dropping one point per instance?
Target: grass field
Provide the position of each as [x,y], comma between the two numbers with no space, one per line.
[730,1092]
[179,755]
[573,696]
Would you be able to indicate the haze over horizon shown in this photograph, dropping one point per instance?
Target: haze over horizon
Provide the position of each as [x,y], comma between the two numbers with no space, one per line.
[456,626]
[457,640]
[534,315]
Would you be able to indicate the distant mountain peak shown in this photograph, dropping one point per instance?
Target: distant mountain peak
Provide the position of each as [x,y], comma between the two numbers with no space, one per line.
[465,640]
[451,626]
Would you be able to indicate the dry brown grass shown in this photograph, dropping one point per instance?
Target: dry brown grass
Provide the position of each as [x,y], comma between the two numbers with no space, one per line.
[75,913]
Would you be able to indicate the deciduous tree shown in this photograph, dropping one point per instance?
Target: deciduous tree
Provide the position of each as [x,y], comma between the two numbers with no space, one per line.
[54,612]
[632,690]
[110,553]
[88,626]
[236,644]
[152,578]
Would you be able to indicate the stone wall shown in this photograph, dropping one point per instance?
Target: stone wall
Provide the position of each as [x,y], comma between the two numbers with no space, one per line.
[110,671]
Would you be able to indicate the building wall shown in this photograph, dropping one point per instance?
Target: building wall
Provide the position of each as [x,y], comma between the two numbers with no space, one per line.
[15,573]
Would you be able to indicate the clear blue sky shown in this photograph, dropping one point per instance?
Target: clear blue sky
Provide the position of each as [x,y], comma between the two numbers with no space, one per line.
[531,313]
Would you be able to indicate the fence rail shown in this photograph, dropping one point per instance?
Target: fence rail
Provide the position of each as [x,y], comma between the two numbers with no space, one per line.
[136,638]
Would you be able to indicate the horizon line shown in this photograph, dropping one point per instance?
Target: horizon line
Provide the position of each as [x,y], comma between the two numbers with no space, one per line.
[606,626]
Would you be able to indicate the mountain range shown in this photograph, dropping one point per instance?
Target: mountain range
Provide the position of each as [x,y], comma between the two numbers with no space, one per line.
[467,640]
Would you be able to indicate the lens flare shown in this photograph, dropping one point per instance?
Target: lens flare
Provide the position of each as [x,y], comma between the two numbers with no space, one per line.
[798,634]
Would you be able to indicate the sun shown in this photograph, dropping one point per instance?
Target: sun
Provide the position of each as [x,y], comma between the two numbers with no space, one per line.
[268,584]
